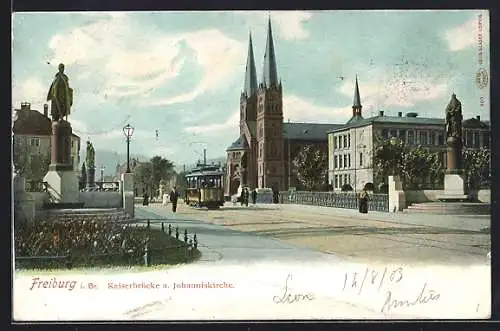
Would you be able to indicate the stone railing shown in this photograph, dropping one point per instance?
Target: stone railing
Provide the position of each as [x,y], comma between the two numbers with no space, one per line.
[103,187]
[376,202]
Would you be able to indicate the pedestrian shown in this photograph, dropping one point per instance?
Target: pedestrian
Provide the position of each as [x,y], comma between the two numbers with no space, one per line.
[254,196]
[247,196]
[174,196]
[363,201]
[242,197]
[145,199]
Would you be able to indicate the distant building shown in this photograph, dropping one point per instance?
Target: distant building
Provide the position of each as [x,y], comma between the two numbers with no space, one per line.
[34,129]
[139,188]
[351,145]
[268,145]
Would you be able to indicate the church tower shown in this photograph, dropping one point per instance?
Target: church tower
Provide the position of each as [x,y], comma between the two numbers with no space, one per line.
[270,142]
[356,105]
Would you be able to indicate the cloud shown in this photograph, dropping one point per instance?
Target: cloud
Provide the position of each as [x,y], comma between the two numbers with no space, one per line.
[228,127]
[287,24]
[297,109]
[31,90]
[134,62]
[467,34]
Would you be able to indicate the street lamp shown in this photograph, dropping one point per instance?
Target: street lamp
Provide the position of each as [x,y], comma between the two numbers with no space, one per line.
[128,131]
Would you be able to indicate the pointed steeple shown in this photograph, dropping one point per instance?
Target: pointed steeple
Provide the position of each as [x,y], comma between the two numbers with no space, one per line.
[356,105]
[250,86]
[270,74]
[357,99]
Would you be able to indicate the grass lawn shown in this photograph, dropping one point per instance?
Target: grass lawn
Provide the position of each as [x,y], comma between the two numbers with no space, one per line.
[164,251]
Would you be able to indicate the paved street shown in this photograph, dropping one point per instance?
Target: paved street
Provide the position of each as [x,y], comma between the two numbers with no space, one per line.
[301,233]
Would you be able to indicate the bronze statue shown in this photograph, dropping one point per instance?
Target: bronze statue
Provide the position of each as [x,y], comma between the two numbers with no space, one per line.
[454,118]
[90,157]
[60,95]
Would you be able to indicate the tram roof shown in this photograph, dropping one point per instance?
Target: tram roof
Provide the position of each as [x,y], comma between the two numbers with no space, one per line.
[205,171]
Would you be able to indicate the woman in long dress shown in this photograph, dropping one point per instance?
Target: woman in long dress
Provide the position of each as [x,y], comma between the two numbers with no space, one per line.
[363,202]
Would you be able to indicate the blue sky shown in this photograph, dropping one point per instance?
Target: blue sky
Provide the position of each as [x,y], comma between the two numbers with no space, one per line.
[181,73]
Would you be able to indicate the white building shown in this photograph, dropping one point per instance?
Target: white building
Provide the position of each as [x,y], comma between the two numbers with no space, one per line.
[350,147]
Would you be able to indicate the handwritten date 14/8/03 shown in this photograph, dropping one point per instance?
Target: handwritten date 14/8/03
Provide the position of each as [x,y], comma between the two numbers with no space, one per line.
[288,297]
[372,278]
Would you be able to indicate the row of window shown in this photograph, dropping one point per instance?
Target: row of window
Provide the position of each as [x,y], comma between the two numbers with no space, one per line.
[341,180]
[342,141]
[344,161]
[35,141]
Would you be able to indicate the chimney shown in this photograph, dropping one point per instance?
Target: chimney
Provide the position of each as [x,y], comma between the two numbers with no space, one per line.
[478,117]
[400,114]
[25,106]
[46,110]
[381,113]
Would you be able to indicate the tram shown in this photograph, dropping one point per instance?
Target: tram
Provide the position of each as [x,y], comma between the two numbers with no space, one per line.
[205,187]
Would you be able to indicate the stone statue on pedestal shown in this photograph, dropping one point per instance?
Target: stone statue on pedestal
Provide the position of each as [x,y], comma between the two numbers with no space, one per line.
[90,162]
[454,134]
[60,95]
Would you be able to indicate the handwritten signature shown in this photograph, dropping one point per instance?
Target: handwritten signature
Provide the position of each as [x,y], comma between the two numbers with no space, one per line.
[424,297]
[147,308]
[288,297]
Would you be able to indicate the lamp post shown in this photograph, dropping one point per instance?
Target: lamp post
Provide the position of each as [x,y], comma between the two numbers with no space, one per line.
[128,131]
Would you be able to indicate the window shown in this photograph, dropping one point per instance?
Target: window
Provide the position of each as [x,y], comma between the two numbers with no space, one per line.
[345,179]
[394,133]
[476,139]
[385,133]
[360,159]
[336,181]
[349,140]
[340,141]
[440,139]
[335,145]
[340,181]
[423,138]
[345,160]
[345,141]
[349,160]
[35,141]
[402,135]
[349,176]
[411,137]
[336,162]
[432,138]
[340,161]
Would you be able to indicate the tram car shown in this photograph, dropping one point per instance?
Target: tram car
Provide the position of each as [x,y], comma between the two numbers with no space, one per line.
[205,187]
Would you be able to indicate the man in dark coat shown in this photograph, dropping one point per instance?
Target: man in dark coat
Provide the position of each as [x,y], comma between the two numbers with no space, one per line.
[247,196]
[254,196]
[174,196]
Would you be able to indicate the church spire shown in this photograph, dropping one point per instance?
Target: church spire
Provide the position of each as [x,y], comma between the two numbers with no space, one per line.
[250,86]
[356,105]
[270,74]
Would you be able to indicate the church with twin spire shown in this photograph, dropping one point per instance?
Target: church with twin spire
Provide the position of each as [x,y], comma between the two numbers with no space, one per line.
[262,155]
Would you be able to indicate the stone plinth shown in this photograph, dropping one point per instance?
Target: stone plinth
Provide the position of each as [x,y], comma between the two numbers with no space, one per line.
[90,177]
[454,188]
[24,204]
[61,146]
[397,198]
[62,186]
[127,180]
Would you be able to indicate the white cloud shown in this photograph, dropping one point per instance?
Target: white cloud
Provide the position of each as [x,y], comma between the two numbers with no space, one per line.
[135,62]
[229,127]
[31,90]
[287,24]
[297,109]
[467,34]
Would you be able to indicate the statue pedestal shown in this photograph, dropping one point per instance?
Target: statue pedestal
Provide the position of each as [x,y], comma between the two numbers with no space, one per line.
[62,186]
[90,177]
[454,188]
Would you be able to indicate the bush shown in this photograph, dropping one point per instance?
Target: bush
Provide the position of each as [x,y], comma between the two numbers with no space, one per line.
[346,188]
[369,187]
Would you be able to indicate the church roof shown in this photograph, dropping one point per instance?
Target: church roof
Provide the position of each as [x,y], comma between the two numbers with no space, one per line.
[270,72]
[308,131]
[238,144]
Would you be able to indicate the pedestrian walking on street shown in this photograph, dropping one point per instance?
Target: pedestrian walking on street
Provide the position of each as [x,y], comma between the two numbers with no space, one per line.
[174,196]
[254,196]
[247,196]
[363,201]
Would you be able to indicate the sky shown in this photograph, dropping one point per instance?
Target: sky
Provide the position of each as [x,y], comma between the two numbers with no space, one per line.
[181,73]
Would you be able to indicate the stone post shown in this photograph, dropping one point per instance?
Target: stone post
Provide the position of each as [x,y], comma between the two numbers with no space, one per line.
[128,193]
[91,177]
[24,204]
[397,199]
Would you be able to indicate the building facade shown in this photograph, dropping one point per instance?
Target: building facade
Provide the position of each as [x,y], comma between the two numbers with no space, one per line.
[351,146]
[33,129]
[263,154]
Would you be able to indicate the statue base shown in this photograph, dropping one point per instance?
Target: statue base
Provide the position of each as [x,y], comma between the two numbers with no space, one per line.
[61,145]
[90,178]
[62,185]
[454,188]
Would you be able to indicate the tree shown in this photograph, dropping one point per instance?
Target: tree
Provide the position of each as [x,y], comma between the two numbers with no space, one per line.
[311,166]
[150,173]
[420,166]
[476,167]
[27,163]
[387,159]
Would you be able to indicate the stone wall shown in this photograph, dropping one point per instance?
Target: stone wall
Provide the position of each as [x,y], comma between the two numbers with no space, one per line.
[97,199]
[419,196]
